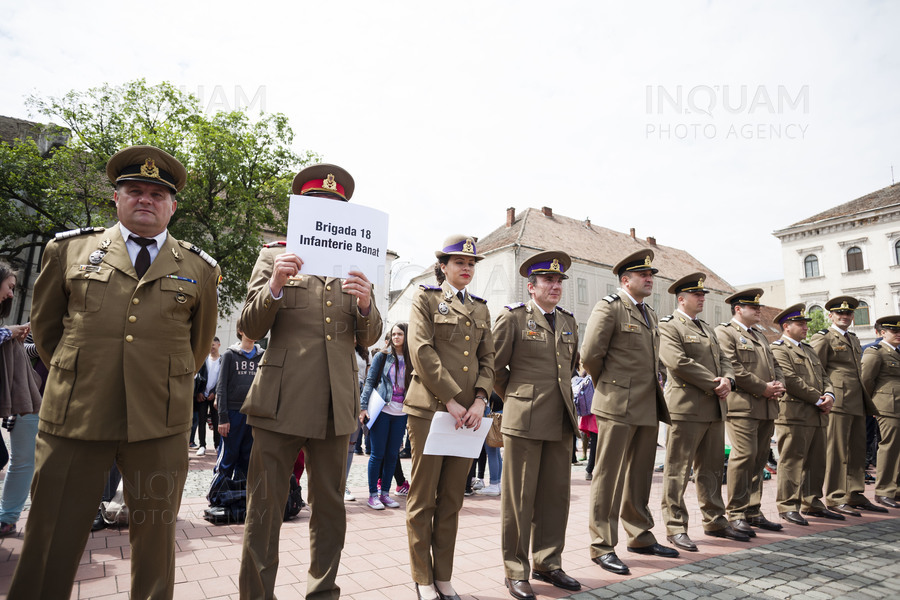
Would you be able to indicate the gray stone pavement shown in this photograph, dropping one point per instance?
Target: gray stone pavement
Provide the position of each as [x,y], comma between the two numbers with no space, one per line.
[857,561]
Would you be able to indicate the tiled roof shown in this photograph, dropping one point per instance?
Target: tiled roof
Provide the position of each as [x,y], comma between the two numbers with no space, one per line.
[883,198]
[592,243]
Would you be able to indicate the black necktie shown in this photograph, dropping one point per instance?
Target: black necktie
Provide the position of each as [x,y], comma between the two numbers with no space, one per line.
[142,262]
[697,323]
[462,298]
[551,320]
[640,305]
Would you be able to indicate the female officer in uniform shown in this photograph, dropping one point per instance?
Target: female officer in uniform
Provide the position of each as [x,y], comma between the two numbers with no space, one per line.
[452,353]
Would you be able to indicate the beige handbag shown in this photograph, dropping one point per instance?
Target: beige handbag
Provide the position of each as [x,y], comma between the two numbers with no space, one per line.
[494,437]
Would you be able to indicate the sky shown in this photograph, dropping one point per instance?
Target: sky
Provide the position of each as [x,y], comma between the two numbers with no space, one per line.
[707,125]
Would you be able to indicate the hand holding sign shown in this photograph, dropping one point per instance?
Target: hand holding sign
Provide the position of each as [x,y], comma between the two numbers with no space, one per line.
[286,266]
[358,285]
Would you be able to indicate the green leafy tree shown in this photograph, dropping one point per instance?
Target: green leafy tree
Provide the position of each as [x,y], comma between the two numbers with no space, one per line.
[239,172]
[819,321]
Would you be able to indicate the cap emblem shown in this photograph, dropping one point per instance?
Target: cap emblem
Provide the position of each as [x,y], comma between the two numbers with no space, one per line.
[700,282]
[469,246]
[329,183]
[647,261]
[757,298]
[554,266]
[844,306]
[149,169]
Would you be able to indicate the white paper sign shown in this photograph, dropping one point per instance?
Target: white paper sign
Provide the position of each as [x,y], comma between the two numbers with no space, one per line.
[444,439]
[334,237]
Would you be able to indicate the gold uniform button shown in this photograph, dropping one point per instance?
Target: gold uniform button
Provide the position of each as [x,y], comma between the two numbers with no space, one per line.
[328,319]
[465,368]
[468,323]
[327,288]
[559,378]
[129,338]
[180,289]
[559,366]
[328,303]
[132,319]
[557,353]
[135,300]
[467,338]
[465,353]
[328,337]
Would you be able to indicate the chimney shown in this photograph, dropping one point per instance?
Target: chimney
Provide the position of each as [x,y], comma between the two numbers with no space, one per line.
[548,212]
[651,240]
[510,216]
[632,233]
[587,222]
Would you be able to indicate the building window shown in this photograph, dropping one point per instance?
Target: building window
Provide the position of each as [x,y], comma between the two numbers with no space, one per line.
[854,259]
[814,308]
[718,313]
[861,314]
[811,266]
[897,252]
[582,290]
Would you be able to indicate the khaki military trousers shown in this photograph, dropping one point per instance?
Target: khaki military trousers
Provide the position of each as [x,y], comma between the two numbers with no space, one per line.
[888,471]
[750,440]
[438,485]
[801,467]
[845,459]
[65,495]
[534,503]
[701,446]
[623,472]
[268,484]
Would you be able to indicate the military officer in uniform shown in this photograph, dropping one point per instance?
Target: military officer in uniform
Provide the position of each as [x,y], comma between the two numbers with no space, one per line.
[752,408]
[840,353]
[452,352]
[881,376]
[802,417]
[305,396]
[699,379]
[124,318]
[537,350]
[621,354]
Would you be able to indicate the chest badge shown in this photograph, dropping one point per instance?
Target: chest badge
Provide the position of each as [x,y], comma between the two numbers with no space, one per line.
[104,245]
[97,257]
[180,298]
[532,325]
[442,308]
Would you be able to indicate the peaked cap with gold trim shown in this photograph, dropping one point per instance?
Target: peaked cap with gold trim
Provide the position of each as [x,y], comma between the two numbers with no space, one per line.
[748,297]
[459,245]
[325,179]
[637,261]
[892,322]
[552,262]
[841,304]
[796,312]
[146,163]
[692,283]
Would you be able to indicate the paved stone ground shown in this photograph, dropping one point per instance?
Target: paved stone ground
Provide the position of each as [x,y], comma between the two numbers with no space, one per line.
[857,561]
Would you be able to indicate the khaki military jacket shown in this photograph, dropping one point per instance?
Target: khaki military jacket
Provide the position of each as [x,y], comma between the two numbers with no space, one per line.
[841,358]
[309,369]
[693,360]
[451,349]
[881,377]
[621,353]
[805,381]
[754,366]
[122,352]
[534,368]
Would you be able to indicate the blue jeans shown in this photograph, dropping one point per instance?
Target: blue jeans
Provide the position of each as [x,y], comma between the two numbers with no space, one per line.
[387,437]
[234,449]
[495,463]
[21,468]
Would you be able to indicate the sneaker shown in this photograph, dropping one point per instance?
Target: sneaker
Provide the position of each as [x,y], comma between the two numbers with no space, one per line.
[388,501]
[477,484]
[348,497]
[490,490]
[7,529]
[374,503]
[402,489]
[588,476]
[192,445]
[201,451]
[469,491]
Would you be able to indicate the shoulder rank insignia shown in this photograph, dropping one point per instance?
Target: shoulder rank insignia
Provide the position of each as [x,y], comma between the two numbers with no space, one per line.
[280,244]
[515,305]
[474,297]
[611,298]
[425,286]
[822,331]
[73,232]
[564,311]
[778,342]
[209,259]
[667,318]
[723,325]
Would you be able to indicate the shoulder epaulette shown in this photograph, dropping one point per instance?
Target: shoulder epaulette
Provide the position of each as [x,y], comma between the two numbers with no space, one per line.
[474,297]
[515,305]
[611,298]
[425,286]
[280,244]
[564,311]
[212,262]
[778,342]
[667,318]
[822,331]
[73,232]
[722,325]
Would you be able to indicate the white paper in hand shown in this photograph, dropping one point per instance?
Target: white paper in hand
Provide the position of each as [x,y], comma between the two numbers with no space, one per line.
[376,403]
[445,440]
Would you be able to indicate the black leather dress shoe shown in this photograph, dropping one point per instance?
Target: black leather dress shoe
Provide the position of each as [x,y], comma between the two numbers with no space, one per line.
[845,509]
[519,589]
[763,523]
[743,527]
[871,507]
[558,578]
[683,542]
[792,516]
[887,501]
[99,523]
[825,514]
[731,533]
[655,550]
[611,563]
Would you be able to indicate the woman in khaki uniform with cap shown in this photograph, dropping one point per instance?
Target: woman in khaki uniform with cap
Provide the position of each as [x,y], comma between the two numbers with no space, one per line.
[452,353]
